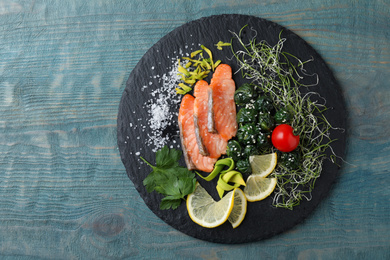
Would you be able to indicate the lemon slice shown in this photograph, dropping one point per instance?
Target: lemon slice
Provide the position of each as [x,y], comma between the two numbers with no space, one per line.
[258,188]
[205,211]
[239,208]
[263,165]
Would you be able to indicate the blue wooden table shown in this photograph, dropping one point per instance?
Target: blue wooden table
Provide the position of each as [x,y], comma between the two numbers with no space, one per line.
[64,193]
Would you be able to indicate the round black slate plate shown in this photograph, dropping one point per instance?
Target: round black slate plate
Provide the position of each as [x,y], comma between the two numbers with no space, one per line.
[135,135]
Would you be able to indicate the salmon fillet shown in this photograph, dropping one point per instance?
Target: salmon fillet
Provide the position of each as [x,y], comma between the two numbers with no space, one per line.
[194,160]
[210,144]
[224,107]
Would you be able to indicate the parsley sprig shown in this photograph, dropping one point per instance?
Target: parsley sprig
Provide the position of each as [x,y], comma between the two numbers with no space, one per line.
[169,179]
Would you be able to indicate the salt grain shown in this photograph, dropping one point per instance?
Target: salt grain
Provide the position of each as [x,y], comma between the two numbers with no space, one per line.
[159,106]
[162,106]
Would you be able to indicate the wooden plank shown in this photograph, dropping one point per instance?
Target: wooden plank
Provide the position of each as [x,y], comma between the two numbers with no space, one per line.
[64,193]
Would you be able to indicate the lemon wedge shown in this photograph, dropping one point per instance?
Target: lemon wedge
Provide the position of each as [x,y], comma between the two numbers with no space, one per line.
[239,208]
[205,211]
[263,165]
[258,188]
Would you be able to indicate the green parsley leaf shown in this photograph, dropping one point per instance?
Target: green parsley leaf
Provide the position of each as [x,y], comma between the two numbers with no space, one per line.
[167,158]
[169,179]
[170,202]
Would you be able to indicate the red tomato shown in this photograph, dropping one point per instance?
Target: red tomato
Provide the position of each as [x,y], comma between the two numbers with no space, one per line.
[284,139]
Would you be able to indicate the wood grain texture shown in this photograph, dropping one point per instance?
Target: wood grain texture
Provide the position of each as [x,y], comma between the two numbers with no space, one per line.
[64,193]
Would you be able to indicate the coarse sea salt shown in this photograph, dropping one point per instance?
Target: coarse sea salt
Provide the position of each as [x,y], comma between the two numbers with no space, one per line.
[160,104]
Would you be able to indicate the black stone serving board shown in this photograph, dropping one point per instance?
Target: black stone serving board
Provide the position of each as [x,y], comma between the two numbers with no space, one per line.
[262,219]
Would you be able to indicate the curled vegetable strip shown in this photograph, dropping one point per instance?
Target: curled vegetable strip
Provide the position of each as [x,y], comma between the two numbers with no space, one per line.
[218,168]
[225,178]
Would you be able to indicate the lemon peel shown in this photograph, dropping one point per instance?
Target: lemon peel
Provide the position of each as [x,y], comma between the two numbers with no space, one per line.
[263,165]
[207,212]
[239,208]
[258,188]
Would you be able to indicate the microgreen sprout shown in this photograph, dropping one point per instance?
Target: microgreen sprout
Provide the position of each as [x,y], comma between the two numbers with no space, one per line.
[280,75]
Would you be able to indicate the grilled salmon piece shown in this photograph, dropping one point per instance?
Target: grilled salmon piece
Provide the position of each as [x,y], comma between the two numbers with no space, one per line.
[224,107]
[194,160]
[213,145]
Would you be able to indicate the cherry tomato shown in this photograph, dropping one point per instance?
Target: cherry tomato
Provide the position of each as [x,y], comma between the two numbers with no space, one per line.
[284,139]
